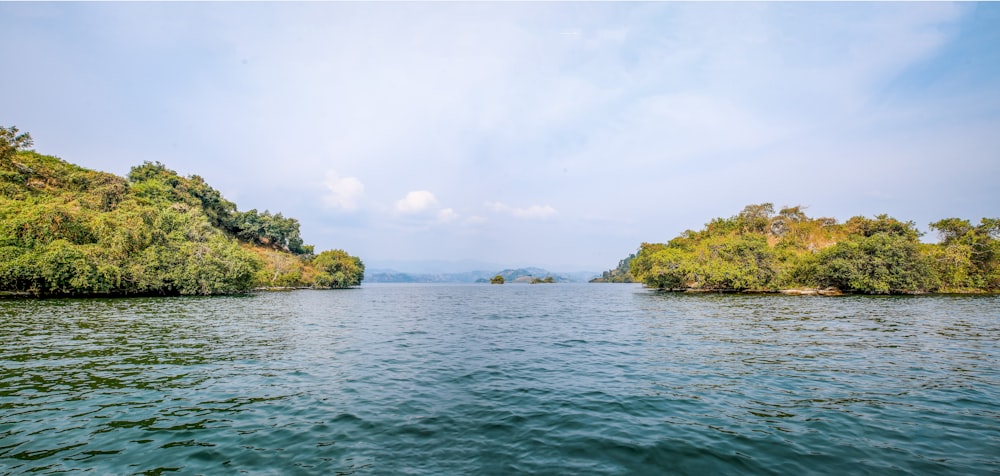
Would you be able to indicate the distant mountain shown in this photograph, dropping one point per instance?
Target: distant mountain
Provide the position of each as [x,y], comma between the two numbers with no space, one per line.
[431,266]
[393,276]
[479,276]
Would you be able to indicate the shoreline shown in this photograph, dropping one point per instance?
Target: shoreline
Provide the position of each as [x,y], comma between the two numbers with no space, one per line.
[826,292]
[821,292]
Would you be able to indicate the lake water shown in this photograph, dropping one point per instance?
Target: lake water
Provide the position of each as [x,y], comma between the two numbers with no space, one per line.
[480,379]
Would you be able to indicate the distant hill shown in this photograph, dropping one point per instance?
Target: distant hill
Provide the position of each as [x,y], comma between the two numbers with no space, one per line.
[432,266]
[393,276]
[478,276]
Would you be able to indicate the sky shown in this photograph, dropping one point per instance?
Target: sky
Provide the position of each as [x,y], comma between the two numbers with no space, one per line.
[559,135]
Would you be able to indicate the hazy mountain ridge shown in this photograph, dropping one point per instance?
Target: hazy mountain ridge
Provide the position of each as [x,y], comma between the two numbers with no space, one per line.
[510,275]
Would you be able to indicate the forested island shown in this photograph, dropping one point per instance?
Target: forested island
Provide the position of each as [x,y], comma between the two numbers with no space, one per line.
[69,231]
[759,250]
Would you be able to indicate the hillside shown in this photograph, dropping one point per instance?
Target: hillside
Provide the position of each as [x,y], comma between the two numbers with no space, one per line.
[620,274]
[67,230]
[760,250]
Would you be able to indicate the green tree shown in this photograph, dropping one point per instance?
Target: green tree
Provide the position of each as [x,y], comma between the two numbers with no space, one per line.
[497,279]
[742,263]
[11,142]
[755,218]
[217,266]
[337,269]
[968,257]
[882,257]
[664,266]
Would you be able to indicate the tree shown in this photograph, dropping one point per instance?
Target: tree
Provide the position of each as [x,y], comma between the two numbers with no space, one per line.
[216,266]
[497,280]
[337,269]
[754,218]
[882,224]
[881,263]
[742,263]
[11,142]
[665,266]
[967,257]
[274,231]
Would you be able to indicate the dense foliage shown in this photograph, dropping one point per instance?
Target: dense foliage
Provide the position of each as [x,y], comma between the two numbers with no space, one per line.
[337,269]
[760,250]
[66,230]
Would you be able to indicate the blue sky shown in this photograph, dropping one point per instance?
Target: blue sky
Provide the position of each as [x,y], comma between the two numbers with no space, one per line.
[559,135]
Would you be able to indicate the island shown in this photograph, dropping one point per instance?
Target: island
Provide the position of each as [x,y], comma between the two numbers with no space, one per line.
[760,250]
[69,231]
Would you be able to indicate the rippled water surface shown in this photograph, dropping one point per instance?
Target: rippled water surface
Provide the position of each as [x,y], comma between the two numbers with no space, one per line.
[479,379]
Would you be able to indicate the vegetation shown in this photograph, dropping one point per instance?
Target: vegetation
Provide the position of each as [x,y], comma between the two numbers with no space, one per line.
[67,230]
[11,142]
[497,280]
[760,250]
[621,274]
[545,280]
[337,269]
[529,275]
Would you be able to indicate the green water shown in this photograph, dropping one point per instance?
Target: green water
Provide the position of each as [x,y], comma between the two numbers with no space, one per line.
[544,379]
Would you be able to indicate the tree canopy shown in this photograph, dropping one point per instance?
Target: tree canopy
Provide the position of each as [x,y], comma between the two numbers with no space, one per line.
[11,142]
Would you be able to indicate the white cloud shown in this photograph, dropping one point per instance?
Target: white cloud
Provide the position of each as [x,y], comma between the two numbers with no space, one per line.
[416,201]
[342,192]
[447,215]
[533,211]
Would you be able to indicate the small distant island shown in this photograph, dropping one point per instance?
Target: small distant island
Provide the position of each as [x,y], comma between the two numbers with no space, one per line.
[525,275]
[69,231]
[760,250]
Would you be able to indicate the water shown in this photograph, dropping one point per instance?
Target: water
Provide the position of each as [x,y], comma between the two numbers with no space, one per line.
[479,379]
